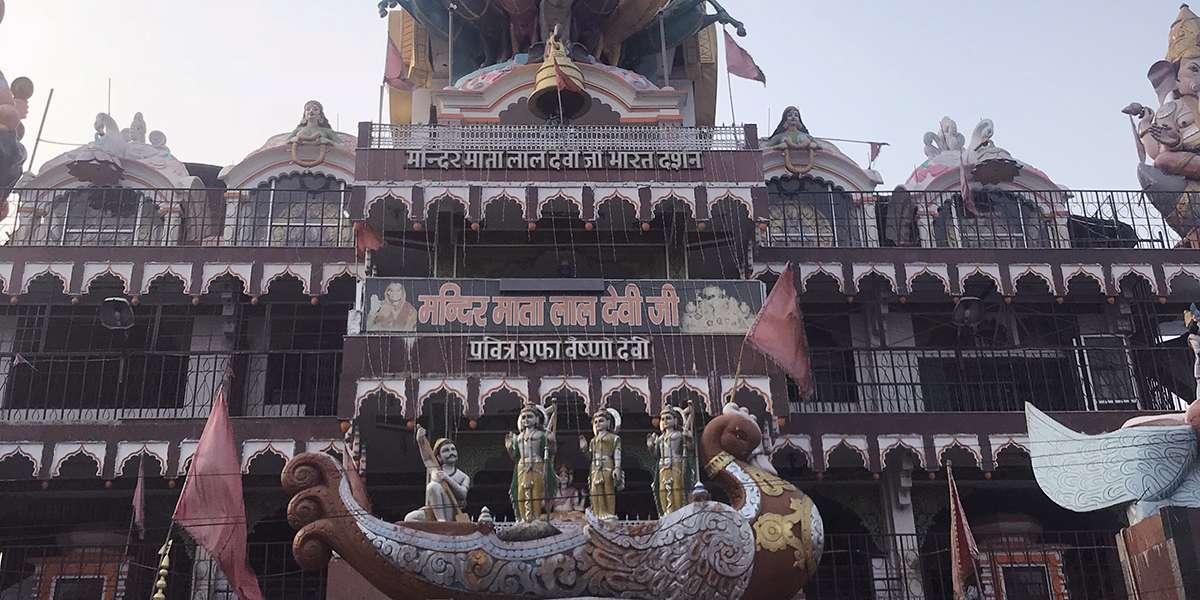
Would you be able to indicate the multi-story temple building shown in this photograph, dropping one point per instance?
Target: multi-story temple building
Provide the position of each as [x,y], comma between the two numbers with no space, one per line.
[495,245]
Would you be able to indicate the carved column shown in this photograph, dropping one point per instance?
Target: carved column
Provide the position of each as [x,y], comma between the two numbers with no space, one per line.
[903,569]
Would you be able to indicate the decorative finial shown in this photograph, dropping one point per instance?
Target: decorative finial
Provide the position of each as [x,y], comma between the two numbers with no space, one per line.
[164,567]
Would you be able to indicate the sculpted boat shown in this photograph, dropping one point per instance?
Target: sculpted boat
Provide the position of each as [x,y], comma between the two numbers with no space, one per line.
[763,546]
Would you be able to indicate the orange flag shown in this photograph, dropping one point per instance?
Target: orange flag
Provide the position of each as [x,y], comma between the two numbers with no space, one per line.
[778,332]
[210,506]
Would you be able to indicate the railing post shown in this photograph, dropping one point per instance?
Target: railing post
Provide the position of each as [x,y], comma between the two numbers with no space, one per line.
[364,134]
[750,132]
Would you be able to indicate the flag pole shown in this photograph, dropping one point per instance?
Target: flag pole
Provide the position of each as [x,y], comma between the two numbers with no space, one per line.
[729,88]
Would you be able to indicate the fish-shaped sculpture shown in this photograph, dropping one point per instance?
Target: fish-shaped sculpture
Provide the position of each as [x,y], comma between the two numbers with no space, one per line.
[764,546]
[1150,465]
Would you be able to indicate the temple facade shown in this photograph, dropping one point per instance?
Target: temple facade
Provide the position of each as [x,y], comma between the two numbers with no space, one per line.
[567,228]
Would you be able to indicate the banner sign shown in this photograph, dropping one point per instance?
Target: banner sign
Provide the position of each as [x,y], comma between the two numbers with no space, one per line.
[624,307]
[531,351]
[554,160]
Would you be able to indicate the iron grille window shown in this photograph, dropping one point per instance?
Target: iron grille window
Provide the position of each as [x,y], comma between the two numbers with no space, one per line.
[296,210]
[102,216]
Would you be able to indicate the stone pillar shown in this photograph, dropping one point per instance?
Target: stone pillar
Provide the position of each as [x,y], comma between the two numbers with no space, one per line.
[899,575]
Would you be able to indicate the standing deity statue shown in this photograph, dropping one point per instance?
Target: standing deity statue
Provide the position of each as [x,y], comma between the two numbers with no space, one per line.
[605,476]
[532,447]
[1170,135]
[675,451]
[447,487]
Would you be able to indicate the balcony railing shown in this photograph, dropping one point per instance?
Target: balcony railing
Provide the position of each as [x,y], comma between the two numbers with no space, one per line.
[1009,219]
[908,380]
[178,217]
[34,572]
[94,386]
[542,137]
[1054,566]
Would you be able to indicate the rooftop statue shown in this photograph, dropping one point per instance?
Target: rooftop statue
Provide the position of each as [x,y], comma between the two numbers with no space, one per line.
[789,135]
[314,129]
[105,160]
[1169,136]
[764,546]
[14,107]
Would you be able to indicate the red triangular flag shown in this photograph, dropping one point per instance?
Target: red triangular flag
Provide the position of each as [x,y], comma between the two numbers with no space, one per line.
[740,63]
[963,573]
[139,498]
[778,332]
[365,238]
[211,507]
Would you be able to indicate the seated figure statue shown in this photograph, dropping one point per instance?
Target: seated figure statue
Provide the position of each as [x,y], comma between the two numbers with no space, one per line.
[447,487]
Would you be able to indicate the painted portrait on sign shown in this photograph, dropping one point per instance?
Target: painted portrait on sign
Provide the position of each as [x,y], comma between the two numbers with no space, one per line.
[392,312]
[714,311]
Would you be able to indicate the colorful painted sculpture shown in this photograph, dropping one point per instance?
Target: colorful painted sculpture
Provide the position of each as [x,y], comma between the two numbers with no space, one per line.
[675,452]
[14,107]
[532,447]
[1170,136]
[447,487]
[763,547]
[605,477]
[791,135]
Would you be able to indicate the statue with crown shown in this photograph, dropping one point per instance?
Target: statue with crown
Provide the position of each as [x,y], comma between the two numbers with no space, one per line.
[762,545]
[1168,139]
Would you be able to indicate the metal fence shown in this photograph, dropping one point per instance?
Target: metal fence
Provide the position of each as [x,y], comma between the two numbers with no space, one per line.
[799,217]
[543,137]
[1049,566]
[102,386]
[315,216]
[1077,378]
[128,572]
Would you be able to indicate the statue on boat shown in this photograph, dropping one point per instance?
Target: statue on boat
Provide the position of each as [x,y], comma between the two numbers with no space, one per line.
[764,545]
[675,452]
[605,477]
[532,447]
[447,486]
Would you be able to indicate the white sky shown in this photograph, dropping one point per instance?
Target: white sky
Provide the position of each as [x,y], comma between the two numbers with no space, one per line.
[220,76]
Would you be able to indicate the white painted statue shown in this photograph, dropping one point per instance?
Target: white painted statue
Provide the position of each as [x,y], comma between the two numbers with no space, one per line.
[447,487]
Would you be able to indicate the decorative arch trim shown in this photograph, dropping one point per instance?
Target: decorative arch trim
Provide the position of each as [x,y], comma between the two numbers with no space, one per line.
[252,449]
[64,450]
[429,387]
[95,270]
[61,270]
[128,450]
[273,271]
[637,385]
[154,270]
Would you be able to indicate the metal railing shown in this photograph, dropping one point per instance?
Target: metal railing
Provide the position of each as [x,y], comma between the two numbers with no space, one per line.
[545,137]
[1060,565]
[178,217]
[913,380]
[103,386]
[1009,219]
[35,572]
